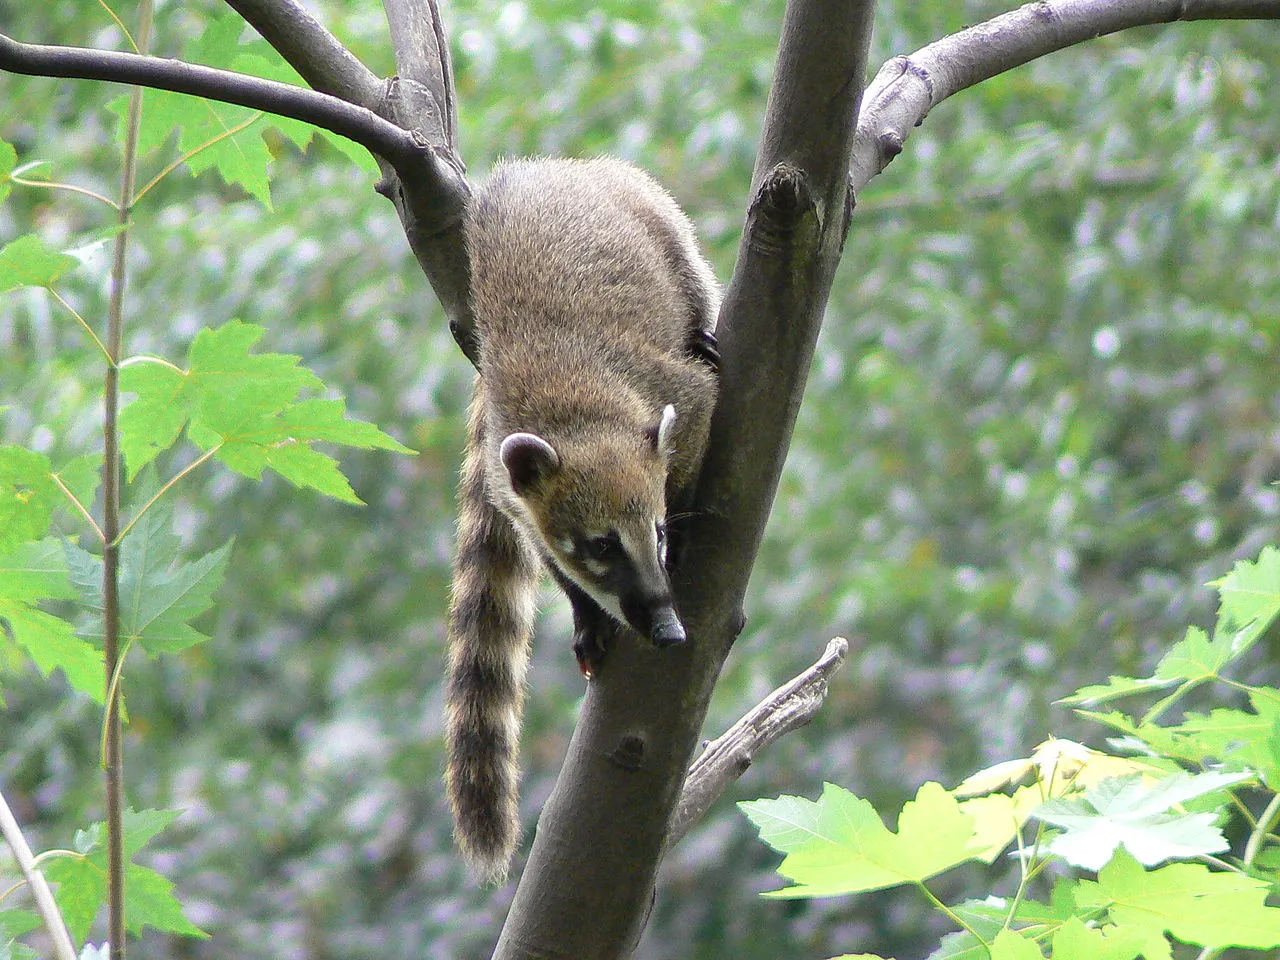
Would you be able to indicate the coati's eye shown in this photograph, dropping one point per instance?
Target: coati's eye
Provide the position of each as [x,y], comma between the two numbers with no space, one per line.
[661,530]
[603,548]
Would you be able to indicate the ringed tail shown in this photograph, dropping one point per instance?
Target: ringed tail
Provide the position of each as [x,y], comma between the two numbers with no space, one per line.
[491,618]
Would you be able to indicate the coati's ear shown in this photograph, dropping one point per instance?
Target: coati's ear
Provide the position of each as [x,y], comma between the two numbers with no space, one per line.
[660,435]
[529,459]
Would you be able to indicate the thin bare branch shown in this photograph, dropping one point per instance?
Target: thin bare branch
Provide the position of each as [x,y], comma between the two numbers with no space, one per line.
[358,123]
[320,57]
[728,757]
[907,87]
[45,903]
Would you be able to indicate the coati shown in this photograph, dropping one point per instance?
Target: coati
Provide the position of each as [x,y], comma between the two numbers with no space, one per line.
[594,315]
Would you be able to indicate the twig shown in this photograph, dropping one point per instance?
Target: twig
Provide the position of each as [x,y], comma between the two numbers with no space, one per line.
[907,87]
[726,758]
[45,903]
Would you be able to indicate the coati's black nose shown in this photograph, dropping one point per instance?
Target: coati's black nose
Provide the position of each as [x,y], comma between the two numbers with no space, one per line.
[667,629]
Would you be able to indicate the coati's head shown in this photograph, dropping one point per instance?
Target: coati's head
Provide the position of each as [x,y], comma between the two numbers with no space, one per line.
[600,512]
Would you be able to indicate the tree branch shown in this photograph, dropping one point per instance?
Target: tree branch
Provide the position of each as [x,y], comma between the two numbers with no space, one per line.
[360,124]
[423,100]
[588,884]
[422,60]
[907,87]
[430,199]
[318,56]
[728,757]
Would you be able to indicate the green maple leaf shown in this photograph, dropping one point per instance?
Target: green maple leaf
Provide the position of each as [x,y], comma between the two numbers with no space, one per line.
[211,135]
[159,592]
[245,406]
[1075,940]
[1250,600]
[1249,603]
[1236,739]
[1186,900]
[839,845]
[1127,811]
[27,262]
[224,137]
[1011,945]
[82,880]
[30,574]
[150,424]
[28,496]
[8,160]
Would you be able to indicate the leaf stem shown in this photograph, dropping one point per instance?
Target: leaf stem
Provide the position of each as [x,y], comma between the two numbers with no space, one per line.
[113,728]
[1266,823]
[165,489]
[119,23]
[75,502]
[83,323]
[113,691]
[145,358]
[45,903]
[952,915]
[72,188]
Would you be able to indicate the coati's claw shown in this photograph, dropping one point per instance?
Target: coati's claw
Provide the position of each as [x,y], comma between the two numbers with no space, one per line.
[589,650]
[704,346]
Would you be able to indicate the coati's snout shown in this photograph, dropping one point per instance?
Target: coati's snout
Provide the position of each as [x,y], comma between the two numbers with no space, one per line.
[657,620]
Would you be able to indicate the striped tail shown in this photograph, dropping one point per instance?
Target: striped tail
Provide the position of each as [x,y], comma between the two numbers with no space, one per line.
[495,579]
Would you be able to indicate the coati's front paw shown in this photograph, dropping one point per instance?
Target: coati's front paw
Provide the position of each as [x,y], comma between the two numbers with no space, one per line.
[590,647]
[704,346]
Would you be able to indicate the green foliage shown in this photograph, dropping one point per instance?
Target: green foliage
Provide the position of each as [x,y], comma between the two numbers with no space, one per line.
[1125,827]
[221,136]
[13,924]
[838,844]
[27,262]
[243,408]
[81,876]
[1040,417]
[160,592]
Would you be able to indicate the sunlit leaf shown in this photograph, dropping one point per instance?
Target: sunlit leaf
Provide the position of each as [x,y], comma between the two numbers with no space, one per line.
[1188,901]
[27,262]
[839,845]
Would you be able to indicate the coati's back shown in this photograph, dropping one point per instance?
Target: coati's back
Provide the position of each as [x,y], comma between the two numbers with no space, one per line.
[591,413]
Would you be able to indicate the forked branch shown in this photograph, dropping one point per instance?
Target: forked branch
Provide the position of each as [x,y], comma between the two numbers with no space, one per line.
[907,87]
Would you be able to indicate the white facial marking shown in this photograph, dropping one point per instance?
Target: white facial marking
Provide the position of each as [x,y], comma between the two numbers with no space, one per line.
[666,427]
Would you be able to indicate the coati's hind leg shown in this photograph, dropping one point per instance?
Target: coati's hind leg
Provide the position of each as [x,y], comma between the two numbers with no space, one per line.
[593,629]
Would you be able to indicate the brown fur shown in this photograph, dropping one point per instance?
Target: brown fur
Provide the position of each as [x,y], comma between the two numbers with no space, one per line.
[586,285]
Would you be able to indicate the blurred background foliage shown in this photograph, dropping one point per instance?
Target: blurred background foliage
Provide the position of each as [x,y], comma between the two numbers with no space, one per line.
[1042,415]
